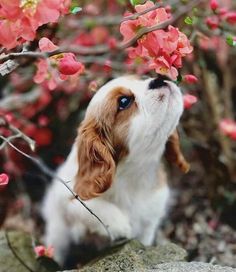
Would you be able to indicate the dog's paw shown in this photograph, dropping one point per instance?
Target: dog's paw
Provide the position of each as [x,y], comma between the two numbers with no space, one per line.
[119,227]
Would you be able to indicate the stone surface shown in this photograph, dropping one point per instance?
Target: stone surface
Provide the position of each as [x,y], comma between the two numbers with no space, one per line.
[193,267]
[17,255]
[133,256]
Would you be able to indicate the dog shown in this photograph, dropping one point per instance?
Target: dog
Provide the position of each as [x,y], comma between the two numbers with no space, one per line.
[114,165]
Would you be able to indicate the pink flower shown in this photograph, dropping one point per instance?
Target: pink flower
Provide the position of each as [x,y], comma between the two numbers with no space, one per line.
[43,251]
[214,4]
[68,65]
[20,19]
[4,179]
[228,127]
[45,45]
[212,22]
[40,251]
[42,71]
[190,79]
[160,50]
[189,100]
[129,28]
[231,17]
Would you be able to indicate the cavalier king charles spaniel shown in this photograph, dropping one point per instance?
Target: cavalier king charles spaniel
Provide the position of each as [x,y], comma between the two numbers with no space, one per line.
[114,165]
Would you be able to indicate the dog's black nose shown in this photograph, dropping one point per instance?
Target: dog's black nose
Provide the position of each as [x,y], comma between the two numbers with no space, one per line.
[158,82]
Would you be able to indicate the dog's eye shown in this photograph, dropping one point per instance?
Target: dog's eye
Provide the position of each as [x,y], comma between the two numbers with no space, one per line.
[124,102]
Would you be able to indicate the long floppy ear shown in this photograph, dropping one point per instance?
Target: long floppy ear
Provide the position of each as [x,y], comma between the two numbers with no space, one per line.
[95,158]
[173,153]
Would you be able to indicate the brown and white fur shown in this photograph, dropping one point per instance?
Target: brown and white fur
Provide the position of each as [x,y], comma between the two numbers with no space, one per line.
[114,165]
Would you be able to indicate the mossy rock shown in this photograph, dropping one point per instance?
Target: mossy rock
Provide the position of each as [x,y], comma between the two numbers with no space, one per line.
[133,256]
[17,255]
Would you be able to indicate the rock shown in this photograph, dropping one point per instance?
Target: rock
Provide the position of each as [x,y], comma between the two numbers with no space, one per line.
[133,256]
[192,266]
[17,255]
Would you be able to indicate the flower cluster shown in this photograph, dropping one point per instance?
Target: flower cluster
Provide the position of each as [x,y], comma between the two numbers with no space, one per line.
[64,63]
[44,251]
[221,15]
[19,19]
[161,50]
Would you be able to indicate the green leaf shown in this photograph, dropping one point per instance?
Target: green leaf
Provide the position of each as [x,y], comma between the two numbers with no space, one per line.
[75,10]
[136,2]
[179,79]
[230,40]
[188,20]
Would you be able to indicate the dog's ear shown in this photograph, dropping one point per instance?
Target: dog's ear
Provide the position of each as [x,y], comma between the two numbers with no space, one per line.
[173,153]
[95,158]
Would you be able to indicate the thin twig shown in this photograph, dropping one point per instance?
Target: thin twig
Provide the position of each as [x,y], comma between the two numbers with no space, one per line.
[10,138]
[137,14]
[102,49]
[15,254]
[51,174]
[16,101]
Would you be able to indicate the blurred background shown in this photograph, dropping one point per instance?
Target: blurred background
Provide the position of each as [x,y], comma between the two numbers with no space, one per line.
[202,217]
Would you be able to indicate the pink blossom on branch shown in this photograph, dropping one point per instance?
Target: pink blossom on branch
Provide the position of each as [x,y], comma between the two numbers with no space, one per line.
[161,50]
[191,79]
[230,17]
[19,19]
[68,65]
[45,45]
[57,67]
[228,128]
[4,179]
[189,101]
[213,22]
[44,251]
[214,4]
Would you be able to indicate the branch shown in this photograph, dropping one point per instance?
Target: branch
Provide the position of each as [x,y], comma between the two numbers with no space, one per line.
[16,134]
[16,101]
[8,66]
[102,49]
[40,164]
[137,14]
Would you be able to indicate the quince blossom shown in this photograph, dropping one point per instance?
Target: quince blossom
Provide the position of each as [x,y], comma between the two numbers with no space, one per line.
[64,63]
[162,50]
[214,4]
[191,79]
[228,128]
[44,251]
[4,179]
[189,100]
[231,17]
[19,19]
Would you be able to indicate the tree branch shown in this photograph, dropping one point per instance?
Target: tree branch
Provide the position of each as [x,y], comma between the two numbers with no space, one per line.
[102,49]
[40,164]
[16,101]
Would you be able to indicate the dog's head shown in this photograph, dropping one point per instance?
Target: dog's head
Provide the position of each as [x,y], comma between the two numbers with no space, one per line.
[128,118]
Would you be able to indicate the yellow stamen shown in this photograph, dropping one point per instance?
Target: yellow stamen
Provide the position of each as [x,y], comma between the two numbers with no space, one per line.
[29,6]
[163,70]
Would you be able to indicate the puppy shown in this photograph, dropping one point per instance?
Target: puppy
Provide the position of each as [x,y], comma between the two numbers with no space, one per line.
[114,165]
